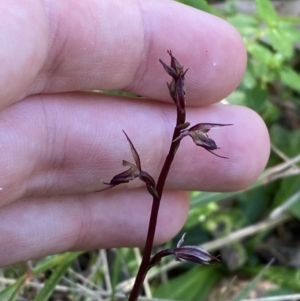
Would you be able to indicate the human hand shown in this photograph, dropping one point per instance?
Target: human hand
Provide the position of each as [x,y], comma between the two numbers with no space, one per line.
[58,144]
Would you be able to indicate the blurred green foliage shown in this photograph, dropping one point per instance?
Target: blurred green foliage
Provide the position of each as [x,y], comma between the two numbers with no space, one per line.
[271,87]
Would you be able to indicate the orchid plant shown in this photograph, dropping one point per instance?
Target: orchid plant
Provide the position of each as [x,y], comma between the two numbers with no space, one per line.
[182,129]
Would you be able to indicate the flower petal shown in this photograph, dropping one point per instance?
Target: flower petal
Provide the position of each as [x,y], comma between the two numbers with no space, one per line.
[175,64]
[181,240]
[202,139]
[168,69]
[205,127]
[123,177]
[194,254]
[135,154]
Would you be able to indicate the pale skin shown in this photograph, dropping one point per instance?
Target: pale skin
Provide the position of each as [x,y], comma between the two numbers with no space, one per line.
[58,144]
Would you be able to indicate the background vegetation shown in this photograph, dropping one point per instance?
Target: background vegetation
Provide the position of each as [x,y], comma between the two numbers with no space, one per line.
[248,228]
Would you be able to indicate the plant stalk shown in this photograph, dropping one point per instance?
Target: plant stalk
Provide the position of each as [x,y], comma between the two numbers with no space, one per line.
[143,269]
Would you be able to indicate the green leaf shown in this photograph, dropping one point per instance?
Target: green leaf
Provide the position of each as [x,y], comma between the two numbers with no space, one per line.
[17,287]
[115,274]
[237,97]
[263,55]
[202,198]
[51,261]
[266,12]
[290,31]
[290,78]
[12,292]
[257,98]
[194,285]
[280,42]
[200,213]
[200,4]
[46,292]
[249,80]
[287,141]
[245,24]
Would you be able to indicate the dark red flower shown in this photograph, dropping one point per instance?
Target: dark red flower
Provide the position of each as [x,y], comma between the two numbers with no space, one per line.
[192,253]
[176,87]
[199,135]
[133,172]
[184,253]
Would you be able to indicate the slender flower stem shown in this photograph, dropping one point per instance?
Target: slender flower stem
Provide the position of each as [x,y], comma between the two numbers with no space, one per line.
[155,209]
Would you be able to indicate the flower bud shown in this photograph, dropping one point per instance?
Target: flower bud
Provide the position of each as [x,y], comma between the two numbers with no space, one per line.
[184,253]
[192,253]
[176,87]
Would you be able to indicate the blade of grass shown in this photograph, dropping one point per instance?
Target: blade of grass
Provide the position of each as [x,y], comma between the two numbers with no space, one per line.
[116,273]
[17,287]
[51,261]
[11,293]
[61,269]
[252,284]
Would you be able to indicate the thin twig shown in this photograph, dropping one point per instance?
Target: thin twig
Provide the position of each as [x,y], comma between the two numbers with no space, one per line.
[245,232]
[281,170]
[85,280]
[286,205]
[280,154]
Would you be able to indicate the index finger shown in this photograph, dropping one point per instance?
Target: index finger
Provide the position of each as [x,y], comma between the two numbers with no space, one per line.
[117,44]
